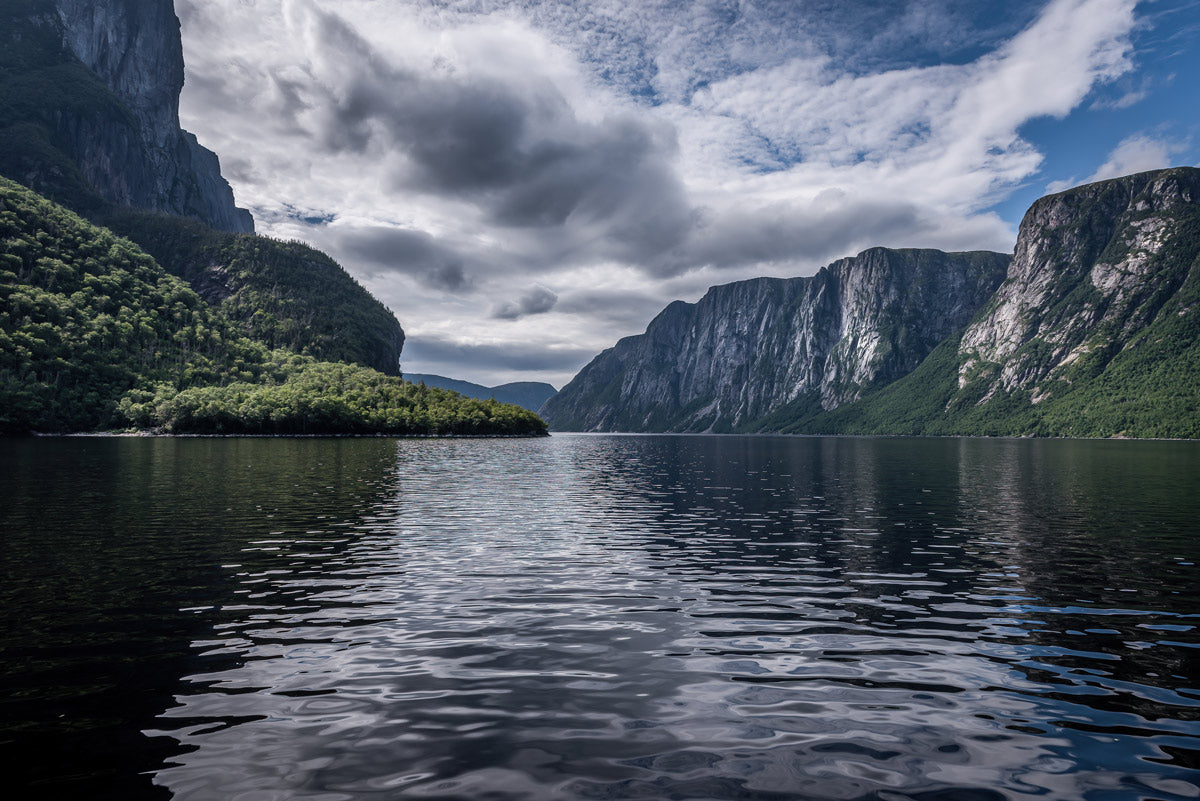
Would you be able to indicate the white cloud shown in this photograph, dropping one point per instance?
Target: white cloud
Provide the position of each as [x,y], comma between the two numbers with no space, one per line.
[1137,153]
[452,152]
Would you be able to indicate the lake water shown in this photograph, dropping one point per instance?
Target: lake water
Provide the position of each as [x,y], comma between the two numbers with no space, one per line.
[600,617]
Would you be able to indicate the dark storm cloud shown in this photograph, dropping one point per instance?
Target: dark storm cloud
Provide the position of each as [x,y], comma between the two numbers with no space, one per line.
[538,300]
[508,356]
[517,152]
[406,251]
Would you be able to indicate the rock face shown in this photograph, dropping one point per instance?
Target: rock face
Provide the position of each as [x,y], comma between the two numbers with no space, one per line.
[748,348]
[128,148]
[134,46]
[1093,266]
[1093,330]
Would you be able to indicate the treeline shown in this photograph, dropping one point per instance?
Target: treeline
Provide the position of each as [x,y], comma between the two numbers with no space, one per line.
[94,335]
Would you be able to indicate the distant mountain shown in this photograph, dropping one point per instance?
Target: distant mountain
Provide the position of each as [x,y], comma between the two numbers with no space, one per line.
[89,117]
[747,349]
[1093,331]
[532,395]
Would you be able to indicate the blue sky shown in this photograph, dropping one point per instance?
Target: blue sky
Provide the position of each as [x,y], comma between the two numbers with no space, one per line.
[525,182]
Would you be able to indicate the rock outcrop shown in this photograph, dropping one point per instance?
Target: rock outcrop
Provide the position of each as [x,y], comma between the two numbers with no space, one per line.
[1093,266]
[116,120]
[1092,331]
[748,348]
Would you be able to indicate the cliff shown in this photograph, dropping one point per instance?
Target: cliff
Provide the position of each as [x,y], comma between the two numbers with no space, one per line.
[89,117]
[1094,331]
[749,348]
[1092,270]
[90,110]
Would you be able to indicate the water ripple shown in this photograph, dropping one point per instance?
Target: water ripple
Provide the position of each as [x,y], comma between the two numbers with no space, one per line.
[658,617]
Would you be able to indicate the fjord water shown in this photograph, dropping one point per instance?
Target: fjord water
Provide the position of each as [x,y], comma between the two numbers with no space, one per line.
[600,617]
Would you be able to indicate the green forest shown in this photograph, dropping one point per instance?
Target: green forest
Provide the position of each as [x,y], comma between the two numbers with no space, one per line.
[96,335]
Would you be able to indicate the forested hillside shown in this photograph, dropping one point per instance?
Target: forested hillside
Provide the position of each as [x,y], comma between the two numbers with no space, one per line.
[71,137]
[94,334]
[283,294]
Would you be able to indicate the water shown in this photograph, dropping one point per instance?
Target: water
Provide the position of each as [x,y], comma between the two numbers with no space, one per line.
[593,617]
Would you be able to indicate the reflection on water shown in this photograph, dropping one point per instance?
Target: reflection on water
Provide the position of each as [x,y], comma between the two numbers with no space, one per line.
[601,617]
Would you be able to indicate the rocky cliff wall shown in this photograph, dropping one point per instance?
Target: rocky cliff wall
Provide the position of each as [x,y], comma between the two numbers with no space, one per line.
[748,348]
[89,110]
[1092,268]
[134,47]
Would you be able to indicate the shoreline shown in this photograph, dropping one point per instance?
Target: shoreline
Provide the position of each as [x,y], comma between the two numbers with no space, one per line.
[167,435]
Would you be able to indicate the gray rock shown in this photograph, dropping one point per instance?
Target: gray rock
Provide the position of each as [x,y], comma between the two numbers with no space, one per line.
[748,348]
[1084,279]
[134,47]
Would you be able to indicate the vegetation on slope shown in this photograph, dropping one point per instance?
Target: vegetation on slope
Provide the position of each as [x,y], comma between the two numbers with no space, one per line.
[283,294]
[1150,388]
[95,334]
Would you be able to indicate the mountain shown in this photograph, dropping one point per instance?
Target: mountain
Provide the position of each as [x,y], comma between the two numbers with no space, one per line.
[94,334]
[530,395]
[89,110]
[89,117]
[1094,331]
[749,348]
[283,294]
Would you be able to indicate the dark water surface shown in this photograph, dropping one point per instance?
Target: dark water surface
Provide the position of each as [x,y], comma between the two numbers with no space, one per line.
[593,617]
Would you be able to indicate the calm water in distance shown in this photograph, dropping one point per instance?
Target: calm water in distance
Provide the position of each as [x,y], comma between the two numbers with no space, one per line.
[600,617]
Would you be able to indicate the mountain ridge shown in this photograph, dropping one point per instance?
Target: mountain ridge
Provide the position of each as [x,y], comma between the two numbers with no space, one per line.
[1094,331]
[531,395]
[748,348]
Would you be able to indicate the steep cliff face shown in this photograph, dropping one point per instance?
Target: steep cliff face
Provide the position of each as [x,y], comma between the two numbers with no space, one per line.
[91,107]
[1094,333]
[1092,269]
[89,100]
[134,46]
[746,349]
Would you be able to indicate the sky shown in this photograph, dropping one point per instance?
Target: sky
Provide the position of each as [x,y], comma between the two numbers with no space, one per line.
[523,183]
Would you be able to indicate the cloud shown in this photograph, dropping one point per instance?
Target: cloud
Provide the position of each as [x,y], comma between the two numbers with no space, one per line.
[516,151]
[612,309]
[538,300]
[406,251]
[1126,100]
[492,357]
[1137,153]
[446,152]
